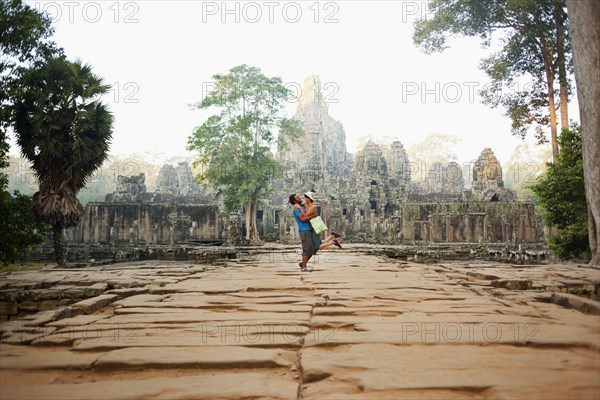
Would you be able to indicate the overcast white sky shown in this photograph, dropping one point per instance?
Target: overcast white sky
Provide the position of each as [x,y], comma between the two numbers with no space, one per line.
[160,54]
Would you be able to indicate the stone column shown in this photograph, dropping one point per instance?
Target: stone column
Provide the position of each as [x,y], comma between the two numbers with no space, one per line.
[485,228]
[194,230]
[96,232]
[468,233]
[112,234]
[136,231]
[431,235]
[433,228]
[522,230]
[405,226]
[449,230]
[477,235]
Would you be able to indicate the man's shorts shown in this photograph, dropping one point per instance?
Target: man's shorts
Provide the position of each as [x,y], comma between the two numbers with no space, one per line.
[308,244]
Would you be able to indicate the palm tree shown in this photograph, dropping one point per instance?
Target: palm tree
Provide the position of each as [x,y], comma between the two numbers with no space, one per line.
[64,130]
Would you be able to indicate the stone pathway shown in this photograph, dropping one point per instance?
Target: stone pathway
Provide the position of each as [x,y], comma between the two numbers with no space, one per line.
[359,326]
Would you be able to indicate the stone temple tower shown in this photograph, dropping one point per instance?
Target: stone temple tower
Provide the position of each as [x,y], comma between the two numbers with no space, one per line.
[319,157]
[487,179]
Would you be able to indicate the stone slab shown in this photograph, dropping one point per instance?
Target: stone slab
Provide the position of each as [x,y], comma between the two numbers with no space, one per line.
[584,305]
[218,385]
[95,303]
[34,358]
[375,368]
[197,357]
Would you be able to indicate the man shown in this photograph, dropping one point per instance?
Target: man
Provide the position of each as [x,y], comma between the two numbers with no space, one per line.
[311,242]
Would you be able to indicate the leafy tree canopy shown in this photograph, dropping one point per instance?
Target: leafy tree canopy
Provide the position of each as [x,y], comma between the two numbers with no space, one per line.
[561,193]
[235,142]
[535,51]
[20,230]
[64,130]
[24,43]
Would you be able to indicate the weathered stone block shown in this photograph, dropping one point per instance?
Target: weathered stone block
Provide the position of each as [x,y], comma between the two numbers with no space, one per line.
[586,306]
[95,303]
[8,307]
[42,318]
[512,284]
[28,306]
[48,305]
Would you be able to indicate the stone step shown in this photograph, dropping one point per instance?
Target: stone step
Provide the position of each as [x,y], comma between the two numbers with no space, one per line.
[203,357]
[222,385]
[584,305]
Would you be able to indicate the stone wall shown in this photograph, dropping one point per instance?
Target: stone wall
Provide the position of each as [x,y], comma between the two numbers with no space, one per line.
[151,223]
[466,222]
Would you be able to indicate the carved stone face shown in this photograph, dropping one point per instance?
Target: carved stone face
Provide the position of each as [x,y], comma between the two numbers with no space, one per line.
[487,167]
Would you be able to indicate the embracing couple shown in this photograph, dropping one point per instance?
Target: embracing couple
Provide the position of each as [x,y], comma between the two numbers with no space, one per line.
[304,211]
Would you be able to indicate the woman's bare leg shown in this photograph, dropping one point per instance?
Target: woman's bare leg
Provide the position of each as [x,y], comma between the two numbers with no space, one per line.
[326,244]
[329,239]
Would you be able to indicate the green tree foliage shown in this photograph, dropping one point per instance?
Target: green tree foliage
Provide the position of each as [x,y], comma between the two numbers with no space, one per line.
[20,230]
[24,43]
[64,130]
[4,163]
[235,142]
[535,51]
[561,194]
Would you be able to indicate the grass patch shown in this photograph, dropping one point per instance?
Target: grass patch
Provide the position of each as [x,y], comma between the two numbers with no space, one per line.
[28,266]
[34,266]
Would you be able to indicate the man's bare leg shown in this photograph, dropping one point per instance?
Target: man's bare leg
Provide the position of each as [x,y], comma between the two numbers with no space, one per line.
[305,261]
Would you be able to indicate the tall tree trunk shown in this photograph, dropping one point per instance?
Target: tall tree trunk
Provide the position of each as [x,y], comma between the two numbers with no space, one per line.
[559,17]
[60,245]
[585,36]
[251,225]
[551,103]
[249,228]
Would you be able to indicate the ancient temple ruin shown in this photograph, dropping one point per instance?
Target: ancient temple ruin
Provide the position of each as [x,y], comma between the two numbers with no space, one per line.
[367,197]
